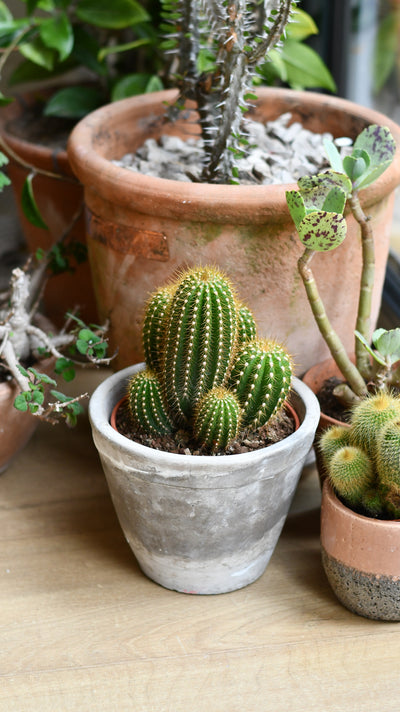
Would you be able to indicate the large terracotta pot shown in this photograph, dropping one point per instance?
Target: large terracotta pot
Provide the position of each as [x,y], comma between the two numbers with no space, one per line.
[361,558]
[58,201]
[142,229]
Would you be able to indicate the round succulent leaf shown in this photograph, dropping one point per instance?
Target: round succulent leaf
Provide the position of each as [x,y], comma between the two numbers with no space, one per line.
[388,343]
[316,189]
[380,145]
[322,231]
[296,206]
[355,167]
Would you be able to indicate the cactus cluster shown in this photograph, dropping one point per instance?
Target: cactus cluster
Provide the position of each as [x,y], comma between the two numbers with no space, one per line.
[363,460]
[206,370]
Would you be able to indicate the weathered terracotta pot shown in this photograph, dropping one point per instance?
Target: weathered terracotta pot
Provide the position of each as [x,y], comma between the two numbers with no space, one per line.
[361,558]
[58,201]
[200,524]
[142,229]
[315,378]
[16,427]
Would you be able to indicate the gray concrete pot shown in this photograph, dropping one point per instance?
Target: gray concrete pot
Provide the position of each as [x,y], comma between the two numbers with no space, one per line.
[200,524]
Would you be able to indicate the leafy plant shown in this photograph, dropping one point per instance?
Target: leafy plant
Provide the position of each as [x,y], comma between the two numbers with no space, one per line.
[217,50]
[207,372]
[317,211]
[55,37]
[362,461]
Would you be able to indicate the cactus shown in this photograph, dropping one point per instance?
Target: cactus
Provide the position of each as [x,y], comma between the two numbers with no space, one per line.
[217,418]
[154,325]
[247,325]
[368,418]
[261,380]
[331,441]
[351,473]
[206,370]
[366,472]
[200,339]
[146,403]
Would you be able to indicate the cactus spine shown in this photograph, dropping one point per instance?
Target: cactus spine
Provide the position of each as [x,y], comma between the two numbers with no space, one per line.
[207,371]
[366,473]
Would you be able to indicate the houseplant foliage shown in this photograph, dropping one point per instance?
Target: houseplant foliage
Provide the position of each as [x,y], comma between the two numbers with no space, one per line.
[54,37]
[25,342]
[204,521]
[218,48]
[206,369]
[317,211]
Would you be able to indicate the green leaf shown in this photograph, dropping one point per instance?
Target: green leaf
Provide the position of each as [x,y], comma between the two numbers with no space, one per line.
[305,68]
[380,145]
[112,15]
[386,49]
[354,167]
[388,343]
[74,102]
[4,100]
[334,156]
[296,206]
[335,201]
[86,50]
[29,206]
[20,403]
[37,52]
[134,84]
[5,14]
[57,33]
[373,353]
[301,25]
[322,231]
[38,396]
[116,49]
[315,189]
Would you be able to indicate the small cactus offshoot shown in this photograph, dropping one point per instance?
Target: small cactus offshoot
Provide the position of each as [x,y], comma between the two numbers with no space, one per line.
[207,372]
[363,461]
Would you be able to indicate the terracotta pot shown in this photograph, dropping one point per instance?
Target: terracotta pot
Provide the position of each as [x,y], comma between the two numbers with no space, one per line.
[58,202]
[16,427]
[361,558]
[142,229]
[200,524]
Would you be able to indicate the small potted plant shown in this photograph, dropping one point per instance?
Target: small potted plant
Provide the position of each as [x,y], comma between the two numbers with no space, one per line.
[32,352]
[199,494]
[360,532]
[317,209]
[141,228]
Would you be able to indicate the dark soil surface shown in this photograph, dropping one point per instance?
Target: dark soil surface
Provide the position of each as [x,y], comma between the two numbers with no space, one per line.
[329,404]
[180,442]
[49,131]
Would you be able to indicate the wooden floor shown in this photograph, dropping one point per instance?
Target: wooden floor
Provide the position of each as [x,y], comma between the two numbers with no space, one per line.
[83,630]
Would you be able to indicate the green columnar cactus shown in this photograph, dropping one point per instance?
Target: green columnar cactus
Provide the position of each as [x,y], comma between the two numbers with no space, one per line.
[146,403]
[206,370]
[200,339]
[247,326]
[154,325]
[261,380]
[217,418]
[366,473]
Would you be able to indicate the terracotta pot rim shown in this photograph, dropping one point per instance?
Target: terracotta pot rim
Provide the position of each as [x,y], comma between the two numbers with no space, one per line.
[347,511]
[87,142]
[113,417]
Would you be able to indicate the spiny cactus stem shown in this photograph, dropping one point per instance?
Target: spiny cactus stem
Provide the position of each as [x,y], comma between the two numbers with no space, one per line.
[338,352]
[274,34]
[366,287]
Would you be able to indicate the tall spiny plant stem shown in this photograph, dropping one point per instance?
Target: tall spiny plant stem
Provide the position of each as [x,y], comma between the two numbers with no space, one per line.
[218,45]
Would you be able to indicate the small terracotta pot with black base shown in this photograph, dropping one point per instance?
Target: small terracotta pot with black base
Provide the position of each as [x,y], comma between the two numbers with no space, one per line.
[361,558]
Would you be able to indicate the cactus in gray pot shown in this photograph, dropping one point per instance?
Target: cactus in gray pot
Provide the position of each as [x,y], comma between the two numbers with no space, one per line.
[207,373]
